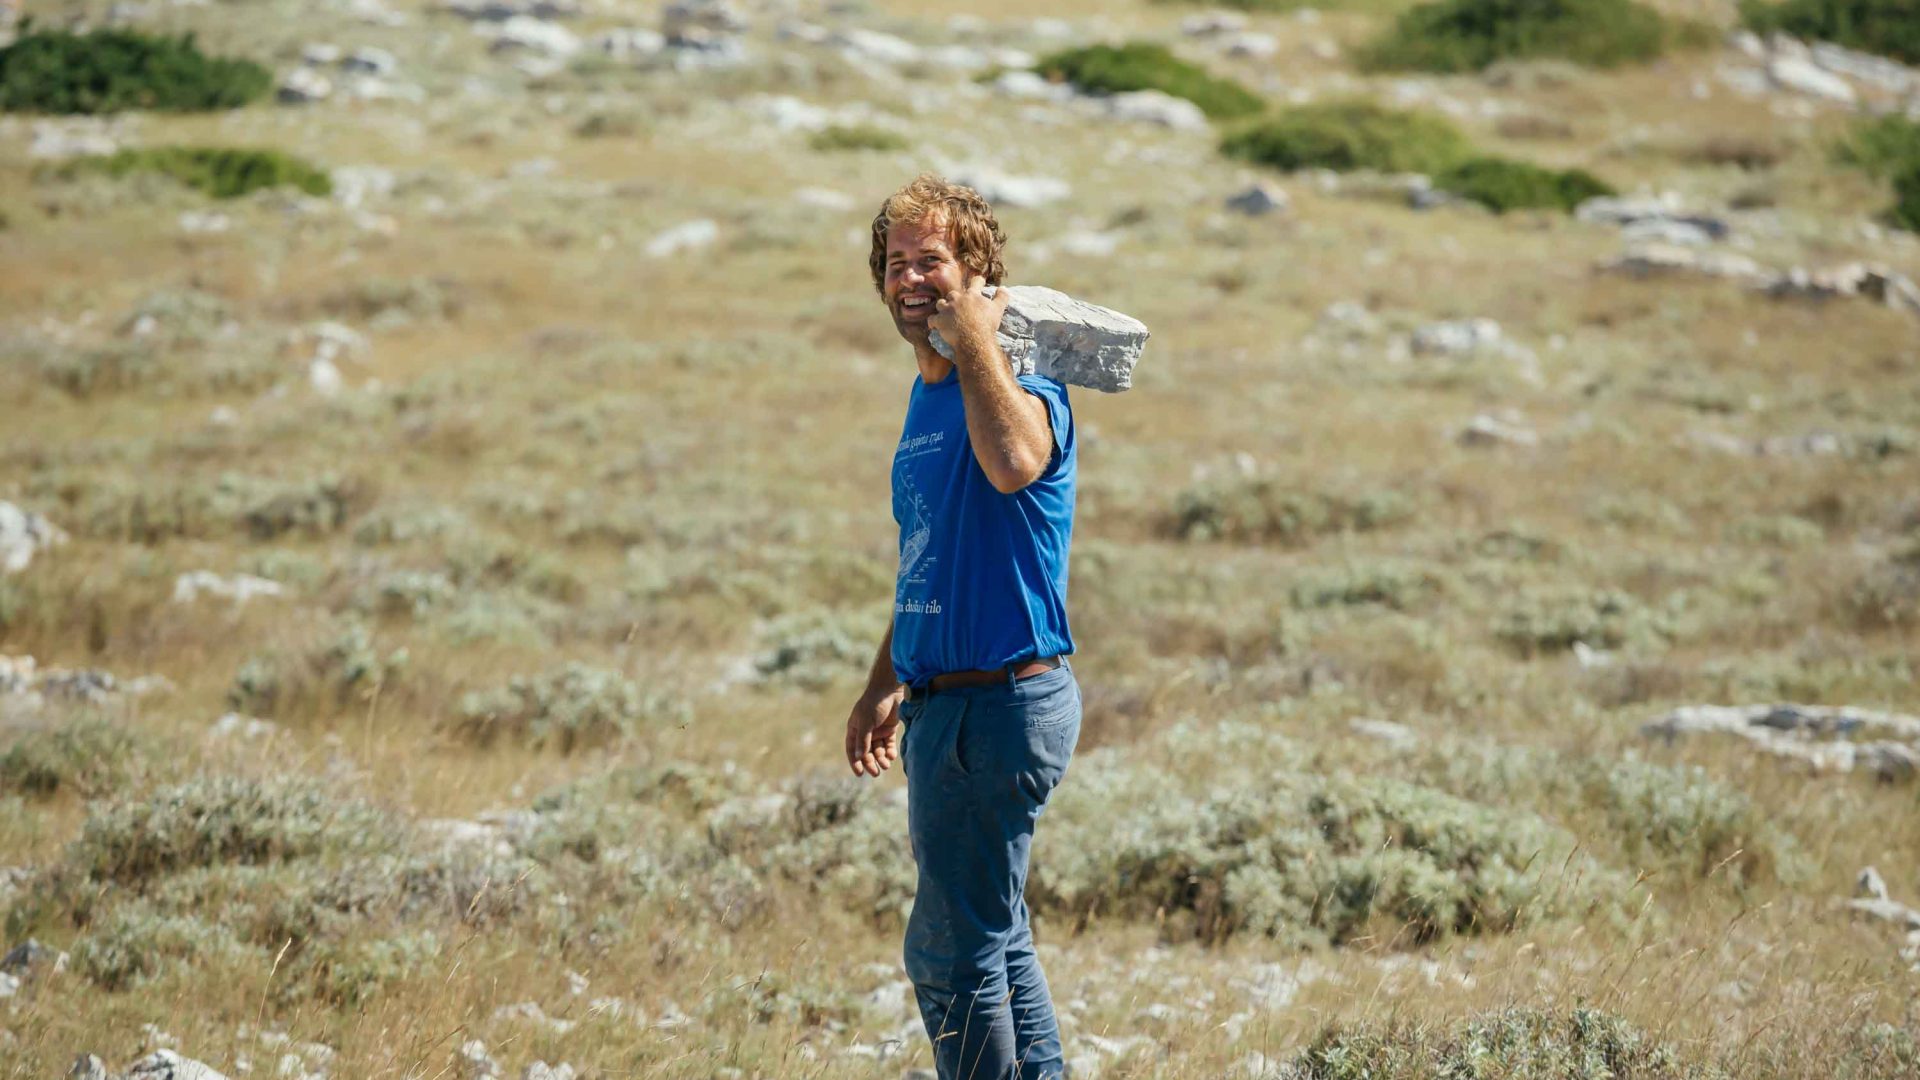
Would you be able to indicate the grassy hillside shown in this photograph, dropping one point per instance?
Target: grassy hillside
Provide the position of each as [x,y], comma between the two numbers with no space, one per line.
[549,438]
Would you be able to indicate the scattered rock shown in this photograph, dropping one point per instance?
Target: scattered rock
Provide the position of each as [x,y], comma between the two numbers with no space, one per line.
[530,1012]
[234,725]
[1803,76]
[1213,23]
[1456,337]
[1869,885]
[628,44]
[1655,218]
[1031,85]
[1870,280]
[1399,736]
[1661,260]
[1155,107]
[1487,430]
[525,33]
[30,958]
[22,535]
[1822,736]
[304,86]
[1260,199]
[540,1070]
[1251,46]
[168,1065]
[88,1067]
[239,588]
[476,1063]
[503,10]
[369,60]
[688,236]
[1051,333]
[72,137]
[712,16]
[1024,192]
[871,46]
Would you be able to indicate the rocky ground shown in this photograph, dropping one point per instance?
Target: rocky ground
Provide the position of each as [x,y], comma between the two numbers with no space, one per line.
[428,610]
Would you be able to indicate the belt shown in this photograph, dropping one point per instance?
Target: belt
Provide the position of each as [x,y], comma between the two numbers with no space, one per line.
[953,680]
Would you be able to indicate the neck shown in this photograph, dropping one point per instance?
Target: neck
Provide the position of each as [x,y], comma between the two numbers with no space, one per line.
[933,366]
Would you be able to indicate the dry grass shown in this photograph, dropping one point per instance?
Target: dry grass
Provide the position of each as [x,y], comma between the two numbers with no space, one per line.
[660,466]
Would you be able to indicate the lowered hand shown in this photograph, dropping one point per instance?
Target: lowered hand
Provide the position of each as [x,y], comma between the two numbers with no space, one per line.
[873,734]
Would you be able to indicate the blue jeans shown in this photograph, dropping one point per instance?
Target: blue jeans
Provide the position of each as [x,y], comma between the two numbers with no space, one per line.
[980,763]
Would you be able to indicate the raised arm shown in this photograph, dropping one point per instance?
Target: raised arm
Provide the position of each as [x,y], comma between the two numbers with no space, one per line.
[1008,427]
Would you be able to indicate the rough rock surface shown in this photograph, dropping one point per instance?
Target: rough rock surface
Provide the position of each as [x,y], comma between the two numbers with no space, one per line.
[168,1065]
[239,588]
[1049,333]
[1822,736]
[22,535]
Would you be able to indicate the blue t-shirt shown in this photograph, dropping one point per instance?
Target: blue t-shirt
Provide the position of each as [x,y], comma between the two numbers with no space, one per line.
[983,575]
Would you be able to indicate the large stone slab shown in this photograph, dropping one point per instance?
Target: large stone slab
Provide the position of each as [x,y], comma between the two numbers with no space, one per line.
[1047,332]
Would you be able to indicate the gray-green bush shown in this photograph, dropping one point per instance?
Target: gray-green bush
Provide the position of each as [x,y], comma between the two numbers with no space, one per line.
[1251,509]
[573,708]
[1506,1045]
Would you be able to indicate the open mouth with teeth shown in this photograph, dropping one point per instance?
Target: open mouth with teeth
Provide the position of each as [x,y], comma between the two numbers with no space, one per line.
[917,305]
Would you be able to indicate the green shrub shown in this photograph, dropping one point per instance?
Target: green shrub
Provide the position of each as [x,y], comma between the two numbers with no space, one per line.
[222,172]
[856,137]
[1139,65]
[134,943]
[1513,1043]
[573,708]
[1395,585]
[1513,185]
[1553,620]
[220,820]
[1886,146]
[1888,27]
[1467,35]
[1264,510]
[331,673]
[90,756]
[1349,135]
[1906,199]
[55,71]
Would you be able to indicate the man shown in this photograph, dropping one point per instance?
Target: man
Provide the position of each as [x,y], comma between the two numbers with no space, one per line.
[970,688]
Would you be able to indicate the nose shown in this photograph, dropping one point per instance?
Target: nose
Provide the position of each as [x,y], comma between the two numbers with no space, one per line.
[912,277]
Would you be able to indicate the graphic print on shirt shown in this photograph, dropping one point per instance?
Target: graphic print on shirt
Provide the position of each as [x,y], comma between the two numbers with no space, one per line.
[916,525]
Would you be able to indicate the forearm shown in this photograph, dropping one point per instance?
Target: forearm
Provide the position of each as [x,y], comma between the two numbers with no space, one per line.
[881,681]
[1006,425]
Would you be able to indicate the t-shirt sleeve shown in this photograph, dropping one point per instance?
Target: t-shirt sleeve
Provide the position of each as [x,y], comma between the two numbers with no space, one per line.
[1059,413]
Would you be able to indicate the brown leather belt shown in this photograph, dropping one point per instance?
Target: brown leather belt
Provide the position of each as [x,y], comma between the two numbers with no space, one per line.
[955,679]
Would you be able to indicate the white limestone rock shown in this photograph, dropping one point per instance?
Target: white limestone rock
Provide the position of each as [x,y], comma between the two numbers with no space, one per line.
[524,33]
[688,236]
[1047,332]
[22,535]
[1155,107]
[1024,192]
[304,86]
[369,60]
[1803,76]
[239,588]
[169,1065]
[1259,200]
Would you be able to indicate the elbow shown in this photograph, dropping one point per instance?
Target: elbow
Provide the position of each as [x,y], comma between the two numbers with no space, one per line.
[1015,474]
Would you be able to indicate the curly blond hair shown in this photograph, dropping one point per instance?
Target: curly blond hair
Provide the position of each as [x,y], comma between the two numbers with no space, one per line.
[977,239]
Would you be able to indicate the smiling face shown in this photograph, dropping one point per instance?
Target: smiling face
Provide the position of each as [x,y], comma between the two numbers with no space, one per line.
[920,269]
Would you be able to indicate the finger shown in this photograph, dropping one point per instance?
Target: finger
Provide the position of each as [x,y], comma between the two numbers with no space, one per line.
[976,281]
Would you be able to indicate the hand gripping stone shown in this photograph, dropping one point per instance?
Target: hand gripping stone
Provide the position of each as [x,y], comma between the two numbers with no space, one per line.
[1047,332]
